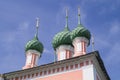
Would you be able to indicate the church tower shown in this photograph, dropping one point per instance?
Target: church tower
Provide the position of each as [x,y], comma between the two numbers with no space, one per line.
[80,37]
[33,50]
[62,43]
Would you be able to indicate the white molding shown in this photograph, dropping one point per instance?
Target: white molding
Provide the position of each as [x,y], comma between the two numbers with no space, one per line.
[80,39]
[33,52]
[88,73]
[64,47]
[98,69]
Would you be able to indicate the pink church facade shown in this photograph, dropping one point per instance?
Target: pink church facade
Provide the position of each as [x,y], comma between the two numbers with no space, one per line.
[86,67]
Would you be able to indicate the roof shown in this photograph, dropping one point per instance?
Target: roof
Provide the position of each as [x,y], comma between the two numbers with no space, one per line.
[91,54]
[80,31]
[34,44]
[62,38]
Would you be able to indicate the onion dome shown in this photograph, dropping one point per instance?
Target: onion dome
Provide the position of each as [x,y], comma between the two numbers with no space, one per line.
[80,31]
[34,44]
[63,37]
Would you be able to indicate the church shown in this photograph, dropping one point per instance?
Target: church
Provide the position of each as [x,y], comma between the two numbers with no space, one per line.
[73,62]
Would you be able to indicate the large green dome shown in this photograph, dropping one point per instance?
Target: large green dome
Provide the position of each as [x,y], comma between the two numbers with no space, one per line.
[34,44]
[80,31]
[62,38]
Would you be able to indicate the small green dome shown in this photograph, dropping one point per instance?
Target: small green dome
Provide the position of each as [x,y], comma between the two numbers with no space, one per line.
[80,31]
[34,44]
[62,38]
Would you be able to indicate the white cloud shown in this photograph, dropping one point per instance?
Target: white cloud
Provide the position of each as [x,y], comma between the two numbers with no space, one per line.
[47,51]
[110,44]
[23,26]
[12,44]
[115,28]
[12,35]
[103,42]
[113,56]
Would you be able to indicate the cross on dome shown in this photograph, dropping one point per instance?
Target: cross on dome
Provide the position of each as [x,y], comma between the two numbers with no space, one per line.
[37,26]
[79,22]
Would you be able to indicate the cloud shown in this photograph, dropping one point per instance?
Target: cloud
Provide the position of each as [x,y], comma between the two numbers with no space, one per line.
[12,43]
[102,43]
[14,35]
[23,26]
[113,56]
[109,44]
[112,39]
[47,51]
[115,28]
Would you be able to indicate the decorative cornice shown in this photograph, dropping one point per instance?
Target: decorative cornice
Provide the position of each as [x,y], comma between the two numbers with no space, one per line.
[33,52]
[62,63]
[64,47]
[80,39]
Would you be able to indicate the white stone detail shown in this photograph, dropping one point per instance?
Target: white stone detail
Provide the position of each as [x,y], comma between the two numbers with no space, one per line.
[62,50]
[33,51]
[36,61]
[88,73]
[79,39]
[79,48]
[62,55]
[64,47]
[29,58]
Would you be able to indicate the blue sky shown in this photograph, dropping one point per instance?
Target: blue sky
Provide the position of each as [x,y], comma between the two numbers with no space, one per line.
[17,26]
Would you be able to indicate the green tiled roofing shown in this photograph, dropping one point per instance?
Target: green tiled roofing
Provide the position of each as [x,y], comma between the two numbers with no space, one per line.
[34,44]
[80,31]
[62,38]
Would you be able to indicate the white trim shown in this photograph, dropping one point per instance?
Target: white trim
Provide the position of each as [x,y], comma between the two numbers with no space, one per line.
[62,55]
[88,73]
[64,47]
[80,39]
[96,74]
[79,47]
[98,69]
[33,51]
[28,59]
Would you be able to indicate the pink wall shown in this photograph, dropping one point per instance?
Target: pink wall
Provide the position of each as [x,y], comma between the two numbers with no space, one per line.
[74,75]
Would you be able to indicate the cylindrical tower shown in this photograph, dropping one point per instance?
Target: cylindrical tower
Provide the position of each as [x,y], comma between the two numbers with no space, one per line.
[80,37]
[62,43]
[33,50]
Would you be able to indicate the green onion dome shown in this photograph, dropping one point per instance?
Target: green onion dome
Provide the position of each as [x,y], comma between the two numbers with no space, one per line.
[34,44]
[62,38]
[80,31]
